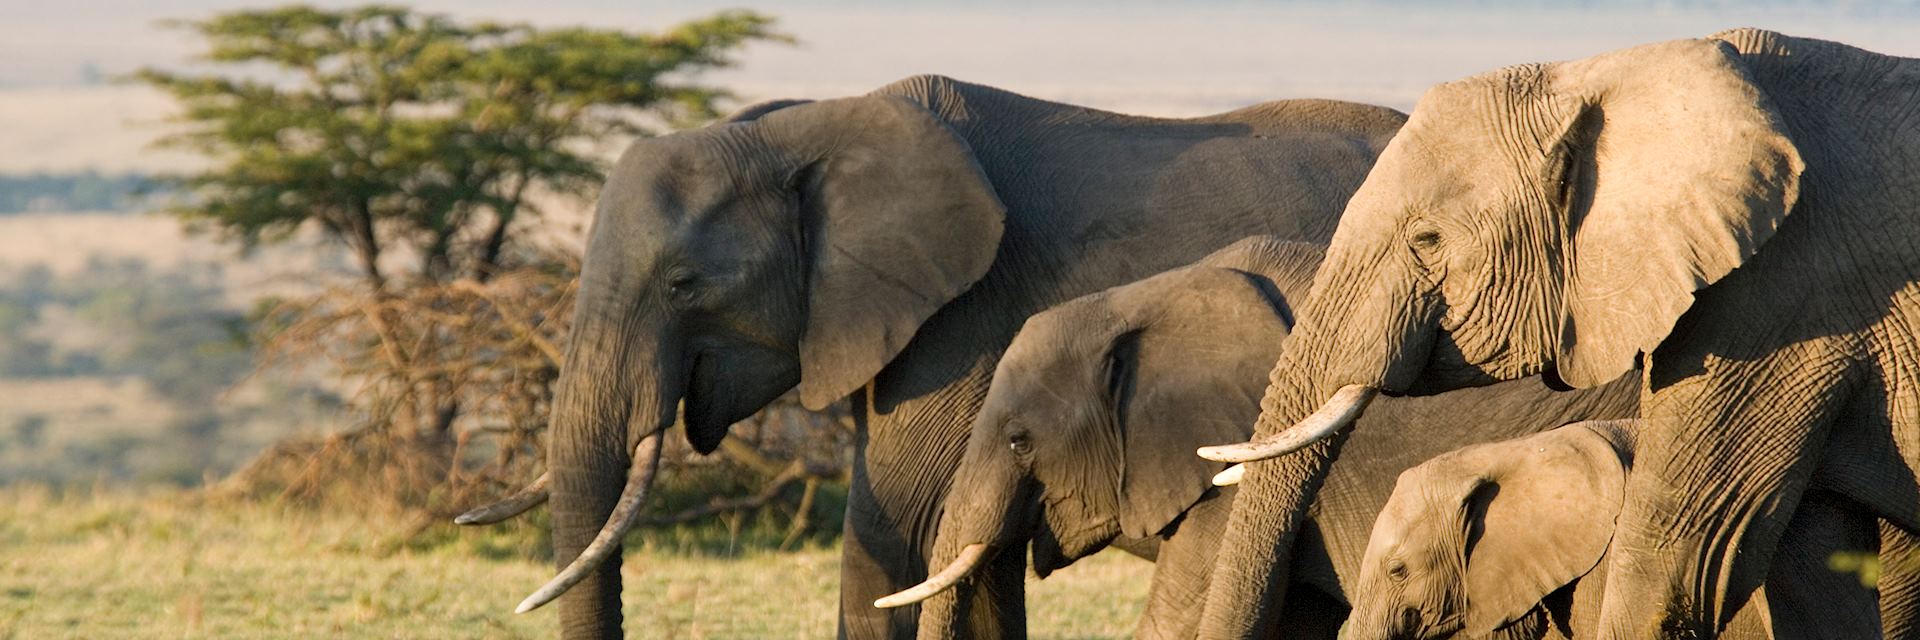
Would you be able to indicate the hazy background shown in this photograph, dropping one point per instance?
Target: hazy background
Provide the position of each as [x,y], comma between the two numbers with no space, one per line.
[111,321]
[1166,58]
[125,375]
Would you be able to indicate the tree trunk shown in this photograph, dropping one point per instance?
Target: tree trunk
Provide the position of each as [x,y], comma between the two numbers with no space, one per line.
[366,244]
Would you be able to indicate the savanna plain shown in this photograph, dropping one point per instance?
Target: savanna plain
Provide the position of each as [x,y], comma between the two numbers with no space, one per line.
[180,564]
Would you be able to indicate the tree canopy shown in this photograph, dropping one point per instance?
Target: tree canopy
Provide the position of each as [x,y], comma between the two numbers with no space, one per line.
[388,128]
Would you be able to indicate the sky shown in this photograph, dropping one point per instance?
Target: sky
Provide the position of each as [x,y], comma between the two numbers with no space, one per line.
[1158,58]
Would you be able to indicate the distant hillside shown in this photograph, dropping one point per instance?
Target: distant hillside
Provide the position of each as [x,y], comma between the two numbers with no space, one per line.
[81,191]
[121,342]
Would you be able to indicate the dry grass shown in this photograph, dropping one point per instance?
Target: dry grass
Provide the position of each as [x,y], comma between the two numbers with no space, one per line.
[176,566]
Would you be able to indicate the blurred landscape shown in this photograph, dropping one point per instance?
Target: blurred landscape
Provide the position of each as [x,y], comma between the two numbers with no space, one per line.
[131,385]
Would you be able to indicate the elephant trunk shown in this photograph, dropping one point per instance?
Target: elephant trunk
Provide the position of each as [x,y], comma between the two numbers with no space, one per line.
[606,544]
[1250,575]
[616,394]
[584,472]
[1369,620]
[1342,353]
[983,510]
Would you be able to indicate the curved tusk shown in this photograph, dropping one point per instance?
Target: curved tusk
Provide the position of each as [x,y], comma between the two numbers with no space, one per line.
[1339,410]
[1230,477]
[510,506]
[962,566]
[646,462]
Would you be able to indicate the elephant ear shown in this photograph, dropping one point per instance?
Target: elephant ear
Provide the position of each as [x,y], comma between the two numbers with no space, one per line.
[1189,373]
[897,219]
[1675,169]
[1540,516]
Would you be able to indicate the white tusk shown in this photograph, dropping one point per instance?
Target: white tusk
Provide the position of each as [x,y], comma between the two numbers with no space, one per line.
[962,566]
[510,506]
[1339,410]
[1230,477]
[646,461]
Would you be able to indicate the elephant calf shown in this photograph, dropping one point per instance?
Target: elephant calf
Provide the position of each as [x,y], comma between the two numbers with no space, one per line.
[1090,423]
[1507,540]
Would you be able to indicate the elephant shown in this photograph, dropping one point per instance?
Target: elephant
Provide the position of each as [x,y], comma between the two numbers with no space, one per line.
[882,250]
[1718,215]
[1507,540]
[1086,434]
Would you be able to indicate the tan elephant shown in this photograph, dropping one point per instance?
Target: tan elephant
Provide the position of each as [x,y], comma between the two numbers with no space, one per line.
[1736,215]
[1508,540]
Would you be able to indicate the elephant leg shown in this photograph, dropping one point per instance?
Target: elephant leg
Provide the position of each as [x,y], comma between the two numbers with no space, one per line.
[1806,597]
[893,506]
[1899,582]
[872,560]
[1725,455]
[1185,560]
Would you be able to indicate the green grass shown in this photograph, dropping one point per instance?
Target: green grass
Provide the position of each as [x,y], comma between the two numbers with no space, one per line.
[172,566]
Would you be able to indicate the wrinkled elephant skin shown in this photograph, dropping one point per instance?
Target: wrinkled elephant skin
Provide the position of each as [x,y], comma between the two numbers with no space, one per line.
[1730,213]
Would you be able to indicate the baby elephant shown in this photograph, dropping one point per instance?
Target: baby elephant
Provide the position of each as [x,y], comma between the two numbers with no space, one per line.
[1087,434]
[1505,540]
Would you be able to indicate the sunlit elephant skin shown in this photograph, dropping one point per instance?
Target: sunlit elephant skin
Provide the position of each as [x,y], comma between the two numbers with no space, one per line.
[1732,213]
[886,248]
[1087,433]
[1508,539]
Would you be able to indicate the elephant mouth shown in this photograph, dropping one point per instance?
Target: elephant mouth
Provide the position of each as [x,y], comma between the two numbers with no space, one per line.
[1448,367]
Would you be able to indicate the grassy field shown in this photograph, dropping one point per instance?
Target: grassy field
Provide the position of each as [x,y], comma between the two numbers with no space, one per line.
[175,566]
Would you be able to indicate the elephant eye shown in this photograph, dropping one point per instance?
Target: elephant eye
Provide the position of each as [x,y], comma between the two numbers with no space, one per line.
[680,286]
[1425,239]
[1396,570]
[1020,443]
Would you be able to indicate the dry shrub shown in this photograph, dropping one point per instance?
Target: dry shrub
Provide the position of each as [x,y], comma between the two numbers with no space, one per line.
[451,386]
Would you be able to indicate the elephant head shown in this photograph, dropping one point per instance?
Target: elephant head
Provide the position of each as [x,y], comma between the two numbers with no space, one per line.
[793,244]
[1087,424]
[1551,219]
[1474,540]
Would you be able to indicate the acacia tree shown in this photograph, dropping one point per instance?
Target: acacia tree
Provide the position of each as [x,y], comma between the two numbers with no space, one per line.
[420,142]
[390,129]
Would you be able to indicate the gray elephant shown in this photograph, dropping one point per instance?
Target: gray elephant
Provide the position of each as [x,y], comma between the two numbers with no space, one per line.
[885,248]
[1507,540]
[1086,436]
[1731,214]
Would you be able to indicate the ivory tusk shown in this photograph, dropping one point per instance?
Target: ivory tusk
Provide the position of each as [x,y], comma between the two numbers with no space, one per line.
[1229,477]
[646,462]
[1339,410]
[510,506]
[962,566]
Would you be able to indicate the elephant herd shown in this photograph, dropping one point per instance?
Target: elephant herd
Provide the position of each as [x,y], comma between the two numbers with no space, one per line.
[1620,347]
